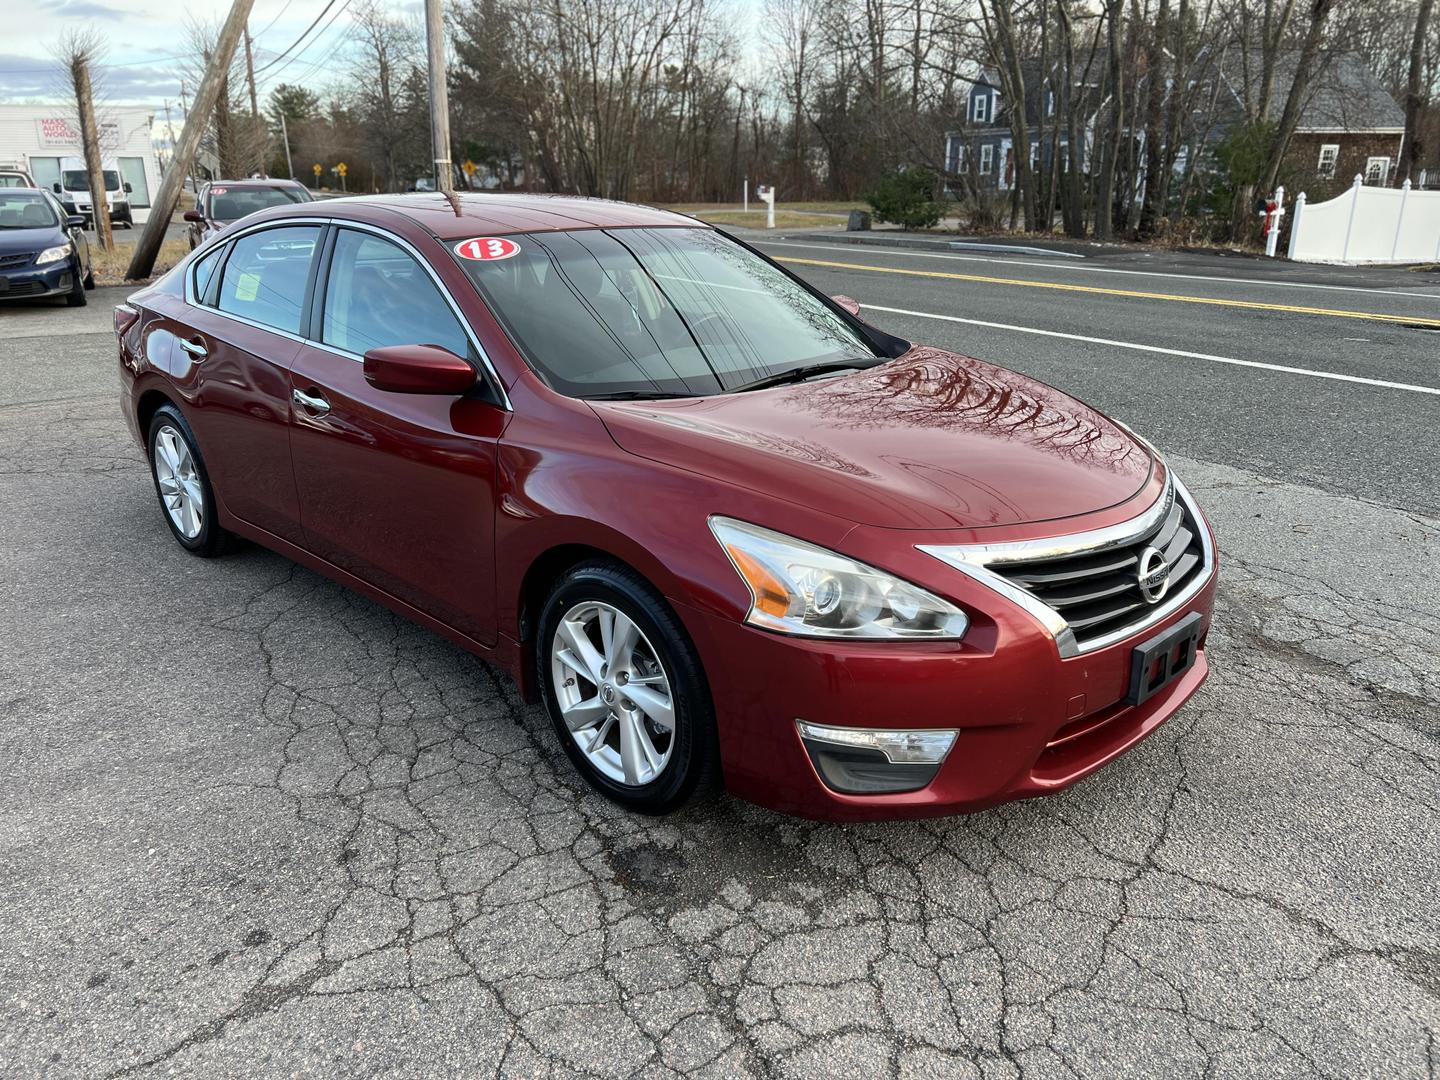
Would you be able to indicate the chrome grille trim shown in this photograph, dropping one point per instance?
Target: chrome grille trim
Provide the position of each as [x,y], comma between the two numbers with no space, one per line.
[977,560]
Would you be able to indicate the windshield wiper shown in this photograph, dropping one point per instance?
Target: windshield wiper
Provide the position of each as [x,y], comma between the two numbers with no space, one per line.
[636,395]
[807,371]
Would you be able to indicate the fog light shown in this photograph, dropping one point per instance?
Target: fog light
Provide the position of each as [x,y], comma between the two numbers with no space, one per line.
[875,761]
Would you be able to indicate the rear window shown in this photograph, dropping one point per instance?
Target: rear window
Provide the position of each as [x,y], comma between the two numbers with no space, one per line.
[231,204]
[654,311]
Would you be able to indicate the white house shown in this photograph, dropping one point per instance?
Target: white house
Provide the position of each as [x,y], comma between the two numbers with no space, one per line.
[37,137]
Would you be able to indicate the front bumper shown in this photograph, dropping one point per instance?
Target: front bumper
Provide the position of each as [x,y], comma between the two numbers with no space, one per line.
[1030,721]
[28,282]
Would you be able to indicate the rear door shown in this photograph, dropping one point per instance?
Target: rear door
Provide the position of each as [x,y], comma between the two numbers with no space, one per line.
[240,334]
[398,489]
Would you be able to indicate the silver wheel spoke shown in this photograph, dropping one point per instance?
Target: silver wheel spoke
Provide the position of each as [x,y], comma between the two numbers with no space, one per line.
[637,754]
[623,636]
[658,707]
[587,713]
[583,650]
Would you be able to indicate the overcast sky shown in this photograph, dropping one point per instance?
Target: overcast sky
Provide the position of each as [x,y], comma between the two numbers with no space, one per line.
[146,42]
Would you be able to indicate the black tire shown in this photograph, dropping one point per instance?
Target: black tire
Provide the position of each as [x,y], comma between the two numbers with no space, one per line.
[693,768]
[76,296]
[211,539]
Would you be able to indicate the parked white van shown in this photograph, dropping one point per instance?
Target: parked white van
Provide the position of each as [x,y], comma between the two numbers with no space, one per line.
[74,182]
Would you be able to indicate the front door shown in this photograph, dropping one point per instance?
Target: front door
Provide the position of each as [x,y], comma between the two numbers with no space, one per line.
[398,489]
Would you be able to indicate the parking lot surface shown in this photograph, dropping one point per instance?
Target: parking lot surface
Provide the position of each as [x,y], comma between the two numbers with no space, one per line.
[255,825]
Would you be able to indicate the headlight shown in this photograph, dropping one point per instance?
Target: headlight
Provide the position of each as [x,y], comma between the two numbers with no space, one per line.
[798,588]
[54,254]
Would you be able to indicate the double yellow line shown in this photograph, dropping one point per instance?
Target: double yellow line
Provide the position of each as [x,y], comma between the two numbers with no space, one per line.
[1136,294]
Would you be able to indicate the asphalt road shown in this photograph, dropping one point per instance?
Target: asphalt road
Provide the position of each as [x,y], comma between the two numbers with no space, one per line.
[1372,441]
[254,825]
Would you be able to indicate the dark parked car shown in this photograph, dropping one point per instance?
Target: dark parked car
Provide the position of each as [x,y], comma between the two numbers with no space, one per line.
[43,250]
[719,524]
[222,203]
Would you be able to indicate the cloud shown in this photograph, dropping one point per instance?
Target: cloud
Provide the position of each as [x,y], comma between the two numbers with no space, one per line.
[88,9]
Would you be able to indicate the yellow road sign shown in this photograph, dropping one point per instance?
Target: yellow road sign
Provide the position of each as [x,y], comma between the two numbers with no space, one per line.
[318,170]
[342,168]
[469,167]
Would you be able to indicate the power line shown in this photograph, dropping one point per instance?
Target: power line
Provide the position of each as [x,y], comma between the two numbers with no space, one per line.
[313,41]
[284,8]
[46,65]
[325,11]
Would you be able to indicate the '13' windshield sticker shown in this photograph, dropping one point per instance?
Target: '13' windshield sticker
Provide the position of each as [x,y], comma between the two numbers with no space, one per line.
[487,248]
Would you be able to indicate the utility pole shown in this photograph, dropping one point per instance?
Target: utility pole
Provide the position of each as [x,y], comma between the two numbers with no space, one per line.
[169,132]
[285,134]
[163,207]
[439,97]
[90,140]
[185,112]
[259,134]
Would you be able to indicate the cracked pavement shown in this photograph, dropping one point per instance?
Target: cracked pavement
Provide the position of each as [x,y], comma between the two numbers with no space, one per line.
[256,825]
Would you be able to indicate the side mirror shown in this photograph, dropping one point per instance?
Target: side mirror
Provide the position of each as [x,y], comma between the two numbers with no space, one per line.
[418,369]
[55,187]
[74,221]
[128,188]
[852,306]
[195,216]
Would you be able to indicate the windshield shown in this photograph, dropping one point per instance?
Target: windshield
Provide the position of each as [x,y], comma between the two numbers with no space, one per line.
[231,204]
[655,311]
[79,180]
[9,180]
[26,208]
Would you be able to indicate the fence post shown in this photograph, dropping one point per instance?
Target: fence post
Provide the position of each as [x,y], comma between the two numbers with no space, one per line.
[1400,217]
[1295,226]
[1350,225]
[1272,235]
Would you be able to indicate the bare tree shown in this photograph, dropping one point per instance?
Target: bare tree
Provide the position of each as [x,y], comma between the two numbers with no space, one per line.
[79,50]
[1410,146]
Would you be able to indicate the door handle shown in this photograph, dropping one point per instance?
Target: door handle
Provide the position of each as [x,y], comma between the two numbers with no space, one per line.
[195,347]
[316,403]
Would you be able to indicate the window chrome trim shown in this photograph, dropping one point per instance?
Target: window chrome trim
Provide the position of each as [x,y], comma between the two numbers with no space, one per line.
[488,369]
[974,561]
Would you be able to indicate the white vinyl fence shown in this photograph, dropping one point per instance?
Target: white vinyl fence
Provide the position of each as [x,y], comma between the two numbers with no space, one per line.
[1368,225]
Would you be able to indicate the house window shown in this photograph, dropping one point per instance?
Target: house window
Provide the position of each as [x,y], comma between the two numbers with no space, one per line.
[987,159]
[1329,155]
[962,158]
[980,108]
[1377,171]
[1035,155]
[1049,102]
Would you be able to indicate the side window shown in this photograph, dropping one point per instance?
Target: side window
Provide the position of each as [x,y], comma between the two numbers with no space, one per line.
[265,276]
[378,295]
[205,272]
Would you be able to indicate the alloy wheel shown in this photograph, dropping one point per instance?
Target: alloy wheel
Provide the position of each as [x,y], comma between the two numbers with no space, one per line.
[613,693]
[179,482]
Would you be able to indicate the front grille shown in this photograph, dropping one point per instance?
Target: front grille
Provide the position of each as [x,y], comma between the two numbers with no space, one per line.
[1098,592]
[9,262]
[24,288]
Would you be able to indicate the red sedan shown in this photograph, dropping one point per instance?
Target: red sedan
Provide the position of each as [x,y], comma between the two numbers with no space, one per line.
[721,526]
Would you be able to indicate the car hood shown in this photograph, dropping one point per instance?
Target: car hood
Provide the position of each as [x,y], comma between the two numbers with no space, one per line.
[929,441]
[14,241]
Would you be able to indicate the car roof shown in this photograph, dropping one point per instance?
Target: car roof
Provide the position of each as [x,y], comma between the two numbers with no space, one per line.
[469,214]
[253,183]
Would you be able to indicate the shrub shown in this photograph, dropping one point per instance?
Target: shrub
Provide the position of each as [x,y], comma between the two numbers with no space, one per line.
[906,198]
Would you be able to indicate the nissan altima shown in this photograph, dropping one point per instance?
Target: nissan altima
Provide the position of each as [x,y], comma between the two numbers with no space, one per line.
[722,527]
